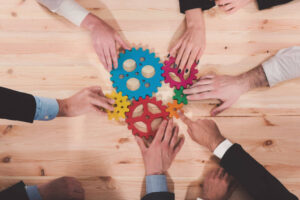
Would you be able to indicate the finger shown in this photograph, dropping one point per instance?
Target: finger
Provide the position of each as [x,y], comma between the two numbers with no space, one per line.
[185,119]
[233,10]
[223,2]
[201,96]
[180,53]
[160,132]
[141,143]
[203,82]
[199,55]
[199,89]
[108,58]
[101,56]
[102,98]
[190,132]
[178,147]
[208,76]
[101,102]
[168,132]
[185,57]
[218,109]
[113,53]
[174,49]
[227,7]
[174,138]
[192,58]
[220,173]
[98,110]
[98,91]
[216,173]
[123,44]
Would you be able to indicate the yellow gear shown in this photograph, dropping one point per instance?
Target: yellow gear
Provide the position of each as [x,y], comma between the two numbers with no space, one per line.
[173,108]
[120,106]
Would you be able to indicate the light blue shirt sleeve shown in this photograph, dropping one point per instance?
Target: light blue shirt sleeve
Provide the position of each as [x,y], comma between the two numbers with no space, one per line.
[46,108]
[33,193]
[156,183]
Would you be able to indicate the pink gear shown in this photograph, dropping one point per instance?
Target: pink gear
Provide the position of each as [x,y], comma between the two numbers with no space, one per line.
[184,82]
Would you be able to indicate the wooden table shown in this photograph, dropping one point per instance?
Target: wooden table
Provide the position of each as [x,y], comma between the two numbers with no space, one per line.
[43,54]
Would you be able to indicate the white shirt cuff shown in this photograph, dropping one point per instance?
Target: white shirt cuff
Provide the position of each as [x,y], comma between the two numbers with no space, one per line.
[199,198]
[72,11]
[222,148]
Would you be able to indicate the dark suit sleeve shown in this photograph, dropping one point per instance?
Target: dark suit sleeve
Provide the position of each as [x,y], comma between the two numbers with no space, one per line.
[16,105]
[264,4]
[15,192]
[259,183]
[191,4]
[159,196]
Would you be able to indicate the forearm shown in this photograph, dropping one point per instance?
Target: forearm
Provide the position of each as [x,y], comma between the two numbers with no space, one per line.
[253,176]
[264,4]
[186,5]
[17,105]
[69,9]
[254,78]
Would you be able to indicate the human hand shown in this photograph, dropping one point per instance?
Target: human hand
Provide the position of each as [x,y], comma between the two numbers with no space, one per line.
[228,89]
[105,40]
[87,100]
[65,188]
[231,6]
[205,132]
[218,185]
[160,154]
[191,45]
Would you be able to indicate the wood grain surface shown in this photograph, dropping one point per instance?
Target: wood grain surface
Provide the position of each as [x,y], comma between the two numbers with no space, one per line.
[43,54]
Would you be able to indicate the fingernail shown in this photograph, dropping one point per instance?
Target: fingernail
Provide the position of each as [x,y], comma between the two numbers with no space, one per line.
[168,55]
[186,70]
[175,66]
[197,62]
[179,71]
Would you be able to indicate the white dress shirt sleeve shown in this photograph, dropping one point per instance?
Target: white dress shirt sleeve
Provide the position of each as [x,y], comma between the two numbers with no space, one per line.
[69,9]
[222,148]
[283,66]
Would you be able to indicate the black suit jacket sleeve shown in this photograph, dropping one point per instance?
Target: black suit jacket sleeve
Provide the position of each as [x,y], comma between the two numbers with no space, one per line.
[259,183]
[159,196]
[16,105]
[15,192]
[263,4]
[190,4]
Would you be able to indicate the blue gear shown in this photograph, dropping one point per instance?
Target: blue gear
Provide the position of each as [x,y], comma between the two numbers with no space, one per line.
[120,76]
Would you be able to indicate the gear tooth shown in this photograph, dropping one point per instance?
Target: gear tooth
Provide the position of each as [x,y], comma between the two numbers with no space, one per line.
[147,51]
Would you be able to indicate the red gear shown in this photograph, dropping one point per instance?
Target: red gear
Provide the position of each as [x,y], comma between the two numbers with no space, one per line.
[183,82]
[147,117]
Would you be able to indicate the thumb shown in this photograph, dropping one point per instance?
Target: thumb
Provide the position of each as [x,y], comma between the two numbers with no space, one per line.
[220,108]
[141,143]
[121,42]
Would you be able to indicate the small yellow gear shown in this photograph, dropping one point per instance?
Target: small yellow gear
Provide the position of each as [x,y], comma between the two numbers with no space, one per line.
[120,106]
[173,109]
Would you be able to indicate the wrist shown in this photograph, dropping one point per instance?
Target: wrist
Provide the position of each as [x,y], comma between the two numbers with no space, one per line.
[154,172]
[216,143]
[243,83]
[90,22]
[194,18]
[63,106]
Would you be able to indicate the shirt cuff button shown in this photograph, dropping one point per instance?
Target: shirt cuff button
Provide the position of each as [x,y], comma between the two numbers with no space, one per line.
[46,117]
